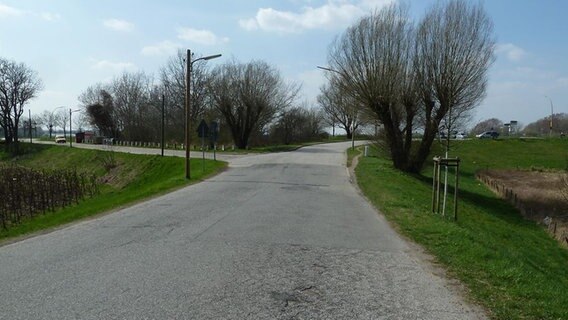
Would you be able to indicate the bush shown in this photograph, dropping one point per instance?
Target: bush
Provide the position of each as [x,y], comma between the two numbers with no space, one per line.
[26,192]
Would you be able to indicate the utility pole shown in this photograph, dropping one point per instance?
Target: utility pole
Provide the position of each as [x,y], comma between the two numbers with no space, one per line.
[551,115]
[30,119]
[163,108]
[188,64]
[187,104]
[70,129]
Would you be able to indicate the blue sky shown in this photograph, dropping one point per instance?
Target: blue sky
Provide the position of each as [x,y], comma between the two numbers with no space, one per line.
[76,43]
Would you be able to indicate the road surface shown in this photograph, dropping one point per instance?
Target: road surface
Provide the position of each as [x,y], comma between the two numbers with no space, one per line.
[276,236]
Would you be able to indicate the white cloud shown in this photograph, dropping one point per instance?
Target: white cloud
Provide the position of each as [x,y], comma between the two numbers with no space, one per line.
[511,51]
[333,14]
[160,49]
[118,25]
[116,66]
[7,11]
[204,37]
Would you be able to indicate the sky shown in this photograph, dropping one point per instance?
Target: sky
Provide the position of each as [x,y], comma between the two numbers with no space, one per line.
[74,44]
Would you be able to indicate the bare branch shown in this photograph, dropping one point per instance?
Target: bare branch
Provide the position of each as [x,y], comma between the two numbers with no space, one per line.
[249,96]
[18,85]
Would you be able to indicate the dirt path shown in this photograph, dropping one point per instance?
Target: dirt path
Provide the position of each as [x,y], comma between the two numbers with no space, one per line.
[541,196]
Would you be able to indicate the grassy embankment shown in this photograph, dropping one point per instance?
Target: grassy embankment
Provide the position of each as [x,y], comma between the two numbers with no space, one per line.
[510,265]
[134,178]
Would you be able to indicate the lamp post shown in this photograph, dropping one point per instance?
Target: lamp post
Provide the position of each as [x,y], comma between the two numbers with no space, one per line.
[163,126]
[353,115]
[189,65]
[70,126]
[551,114]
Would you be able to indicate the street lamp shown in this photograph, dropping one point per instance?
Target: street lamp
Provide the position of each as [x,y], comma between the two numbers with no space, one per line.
[70,127]
[551,114]
[189,65]
[353,108]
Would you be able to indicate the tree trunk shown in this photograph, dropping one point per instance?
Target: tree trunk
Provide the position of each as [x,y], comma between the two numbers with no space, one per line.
[241,144]
[419,158]
[240,138]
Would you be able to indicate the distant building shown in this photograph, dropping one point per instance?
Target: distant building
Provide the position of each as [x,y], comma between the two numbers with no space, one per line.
[85,137]
[511,128]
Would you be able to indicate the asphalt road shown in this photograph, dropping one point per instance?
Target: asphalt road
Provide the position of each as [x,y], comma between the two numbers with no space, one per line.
[277,236]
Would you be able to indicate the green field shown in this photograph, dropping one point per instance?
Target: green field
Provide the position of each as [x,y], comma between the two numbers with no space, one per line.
[133,178]
[510,265]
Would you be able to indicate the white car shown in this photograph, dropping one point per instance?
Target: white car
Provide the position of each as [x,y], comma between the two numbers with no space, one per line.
[488,135]
[60,139]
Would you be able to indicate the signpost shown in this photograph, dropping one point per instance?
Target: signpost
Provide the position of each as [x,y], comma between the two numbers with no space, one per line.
[203,132]
[210,131]
[203,129]
[214,128]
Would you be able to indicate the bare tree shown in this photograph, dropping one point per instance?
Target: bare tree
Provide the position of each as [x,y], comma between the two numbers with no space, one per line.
[411,79]
[81,121]
[126,108]
[172,77]
[101,114]
[492,124]
[297,124]
[373,59]
[131,98]
[99,108]
[49,119]
[94,94]
[314,123]
[454,50]
[249,96]
[18,85]
[542,126]
[62,120]
[340,109]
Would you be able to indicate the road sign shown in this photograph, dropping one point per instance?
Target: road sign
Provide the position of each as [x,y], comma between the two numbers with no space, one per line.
[203,129]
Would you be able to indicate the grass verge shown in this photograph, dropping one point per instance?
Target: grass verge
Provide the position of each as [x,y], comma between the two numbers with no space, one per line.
[352,153]
[510,265]
[135,177]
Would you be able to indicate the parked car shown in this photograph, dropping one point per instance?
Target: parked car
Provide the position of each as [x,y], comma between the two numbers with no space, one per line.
[488,135]
[60,139]
[455,135]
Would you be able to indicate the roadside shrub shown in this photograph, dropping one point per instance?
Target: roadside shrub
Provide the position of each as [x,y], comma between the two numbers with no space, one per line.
[26,193]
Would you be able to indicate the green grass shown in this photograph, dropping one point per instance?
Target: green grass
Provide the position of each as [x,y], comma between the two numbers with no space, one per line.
[135,178]
[352,153]
[510,265]
[276,148]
